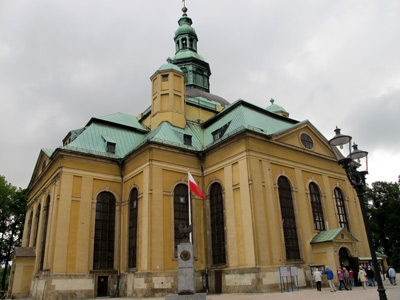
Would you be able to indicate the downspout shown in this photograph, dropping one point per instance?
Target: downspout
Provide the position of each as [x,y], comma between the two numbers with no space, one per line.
[120,163]
[201,157]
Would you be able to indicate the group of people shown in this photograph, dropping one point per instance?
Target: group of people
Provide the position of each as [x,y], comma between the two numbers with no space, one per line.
[366,274]
[346,277]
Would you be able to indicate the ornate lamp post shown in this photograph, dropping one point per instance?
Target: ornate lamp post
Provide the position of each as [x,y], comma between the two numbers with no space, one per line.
[357,179]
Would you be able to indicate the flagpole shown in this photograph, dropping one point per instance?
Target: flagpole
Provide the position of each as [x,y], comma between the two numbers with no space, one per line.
[190,208]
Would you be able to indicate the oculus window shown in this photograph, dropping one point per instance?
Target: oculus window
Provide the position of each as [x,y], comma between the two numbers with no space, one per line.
[307,141]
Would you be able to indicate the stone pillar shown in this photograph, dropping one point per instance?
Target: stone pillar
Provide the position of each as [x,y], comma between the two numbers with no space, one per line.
[185,269]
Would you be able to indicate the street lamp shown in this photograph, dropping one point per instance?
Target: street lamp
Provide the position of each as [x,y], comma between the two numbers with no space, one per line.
[350,164]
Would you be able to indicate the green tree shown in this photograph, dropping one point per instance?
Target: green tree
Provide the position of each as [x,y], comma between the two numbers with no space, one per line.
[383,208]
[12,217]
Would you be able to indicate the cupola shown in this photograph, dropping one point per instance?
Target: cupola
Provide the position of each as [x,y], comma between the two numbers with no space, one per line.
[277,109]
[196,69]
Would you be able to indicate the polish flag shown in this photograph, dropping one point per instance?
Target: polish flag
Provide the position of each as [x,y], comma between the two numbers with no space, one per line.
[193,186]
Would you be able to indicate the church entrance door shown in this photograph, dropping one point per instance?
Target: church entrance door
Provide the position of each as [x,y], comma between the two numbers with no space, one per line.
[102,286]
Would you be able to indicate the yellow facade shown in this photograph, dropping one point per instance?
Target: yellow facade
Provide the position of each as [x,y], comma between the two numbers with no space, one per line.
[246,165]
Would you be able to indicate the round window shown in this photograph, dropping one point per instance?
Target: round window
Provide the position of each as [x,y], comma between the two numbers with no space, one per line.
[307,141]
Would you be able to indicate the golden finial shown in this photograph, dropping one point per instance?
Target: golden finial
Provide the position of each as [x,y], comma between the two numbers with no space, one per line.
[184,9]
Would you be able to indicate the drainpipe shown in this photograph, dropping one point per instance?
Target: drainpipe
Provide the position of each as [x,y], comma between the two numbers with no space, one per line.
[120,163]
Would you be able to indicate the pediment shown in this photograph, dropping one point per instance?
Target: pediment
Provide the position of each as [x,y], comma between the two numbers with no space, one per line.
[41,163]
[305,136]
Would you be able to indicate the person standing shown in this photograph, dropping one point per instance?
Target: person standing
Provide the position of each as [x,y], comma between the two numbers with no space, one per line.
[392,275]
[346,275]
[370,276]
[362,277]
[351,277]
[329,273]
[318,278]
[341,280]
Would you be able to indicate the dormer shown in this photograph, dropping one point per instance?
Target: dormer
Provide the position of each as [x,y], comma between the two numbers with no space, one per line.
[110,144]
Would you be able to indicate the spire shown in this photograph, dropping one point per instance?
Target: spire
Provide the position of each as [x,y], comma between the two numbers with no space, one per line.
[193,65]
[185,35]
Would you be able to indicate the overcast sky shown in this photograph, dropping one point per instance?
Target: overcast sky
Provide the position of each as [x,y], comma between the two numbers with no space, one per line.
[331,62]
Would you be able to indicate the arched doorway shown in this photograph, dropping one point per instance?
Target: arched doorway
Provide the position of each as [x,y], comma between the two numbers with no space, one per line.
[348,261]
[344,257]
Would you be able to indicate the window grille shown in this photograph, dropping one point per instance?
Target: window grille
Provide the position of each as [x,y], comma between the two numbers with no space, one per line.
[217,225]
[288,219]
[133,227]
[36,225]
[181,210]
[103,256]
[318,216]
[28,235]
[341,209]
[46,220]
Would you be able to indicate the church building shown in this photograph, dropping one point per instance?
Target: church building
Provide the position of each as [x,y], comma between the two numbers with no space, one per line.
[104,209]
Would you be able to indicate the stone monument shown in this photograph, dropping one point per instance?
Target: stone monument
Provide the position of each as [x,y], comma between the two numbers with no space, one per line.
[186,285]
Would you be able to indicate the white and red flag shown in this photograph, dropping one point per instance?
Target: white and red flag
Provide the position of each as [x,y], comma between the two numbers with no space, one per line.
[193,186]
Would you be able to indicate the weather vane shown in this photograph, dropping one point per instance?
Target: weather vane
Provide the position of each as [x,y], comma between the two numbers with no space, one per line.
[184,3]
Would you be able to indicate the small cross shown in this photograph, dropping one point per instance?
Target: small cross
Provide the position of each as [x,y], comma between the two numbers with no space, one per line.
[184,3]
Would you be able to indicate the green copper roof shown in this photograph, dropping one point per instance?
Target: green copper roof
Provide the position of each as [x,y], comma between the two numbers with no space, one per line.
[169,66]
[174,136]
[123,120]
[242,116]
[128,134]
[274,107]
[185,26]
[329,235]
[184,54]
[48,151]
[326,236]
[203,102]
[93,140]
[185,29]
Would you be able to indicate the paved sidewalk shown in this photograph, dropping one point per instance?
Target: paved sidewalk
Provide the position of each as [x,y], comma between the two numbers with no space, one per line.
[392,293]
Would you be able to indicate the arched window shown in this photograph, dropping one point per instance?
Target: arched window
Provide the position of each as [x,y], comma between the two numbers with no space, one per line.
[103,256]
[133,227]
[217,225]
[341,209]
[288,219]
[181,210]
[28,234]
[46,220]
[184,43]
[318,216]
[37,224]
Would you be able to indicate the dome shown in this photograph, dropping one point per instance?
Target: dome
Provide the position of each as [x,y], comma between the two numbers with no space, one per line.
[193,93]
[277,109]
[187,54]
[169,66]
[185,29]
